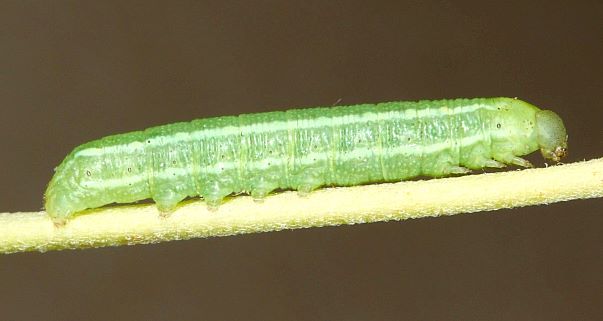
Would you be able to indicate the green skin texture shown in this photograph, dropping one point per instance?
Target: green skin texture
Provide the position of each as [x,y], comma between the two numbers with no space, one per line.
[301,149]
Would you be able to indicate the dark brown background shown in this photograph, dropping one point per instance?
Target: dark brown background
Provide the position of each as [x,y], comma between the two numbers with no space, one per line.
[72,71]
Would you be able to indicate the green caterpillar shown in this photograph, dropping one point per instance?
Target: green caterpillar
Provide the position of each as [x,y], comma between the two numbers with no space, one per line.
[301,149]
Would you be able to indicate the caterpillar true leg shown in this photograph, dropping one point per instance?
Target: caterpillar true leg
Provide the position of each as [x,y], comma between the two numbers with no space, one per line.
[459,170]
[516,160]
[494,164]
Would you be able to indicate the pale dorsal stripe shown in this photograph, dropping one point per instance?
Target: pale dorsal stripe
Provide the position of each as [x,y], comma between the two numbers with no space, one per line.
[281,125]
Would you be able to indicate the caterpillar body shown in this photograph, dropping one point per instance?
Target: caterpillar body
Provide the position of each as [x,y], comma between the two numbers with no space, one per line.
[301,149]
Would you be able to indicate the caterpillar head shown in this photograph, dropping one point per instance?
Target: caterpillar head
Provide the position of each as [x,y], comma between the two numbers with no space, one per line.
[551,135]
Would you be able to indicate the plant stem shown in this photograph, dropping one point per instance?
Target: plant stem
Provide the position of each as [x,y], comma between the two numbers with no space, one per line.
[137,224]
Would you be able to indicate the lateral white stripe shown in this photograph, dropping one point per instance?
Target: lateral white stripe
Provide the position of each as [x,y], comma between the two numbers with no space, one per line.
[282,126]
[308,159]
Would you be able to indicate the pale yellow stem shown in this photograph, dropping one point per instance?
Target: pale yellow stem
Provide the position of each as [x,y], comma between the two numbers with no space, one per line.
[332,206]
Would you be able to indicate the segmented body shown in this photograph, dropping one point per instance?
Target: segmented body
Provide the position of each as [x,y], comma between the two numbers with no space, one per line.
[299,149]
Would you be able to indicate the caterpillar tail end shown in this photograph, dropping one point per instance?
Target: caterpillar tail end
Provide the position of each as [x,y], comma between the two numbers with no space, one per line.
[58,219]
[59,222]
[59,205]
